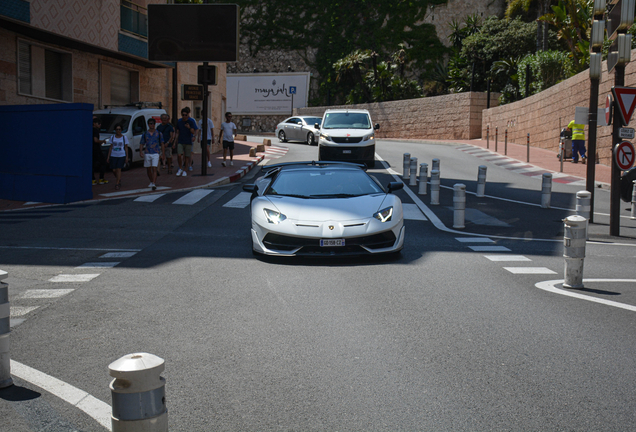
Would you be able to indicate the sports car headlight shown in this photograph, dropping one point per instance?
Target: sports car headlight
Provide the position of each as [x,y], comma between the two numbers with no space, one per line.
[325,137]
[273,216]
[368,137]
[384,215]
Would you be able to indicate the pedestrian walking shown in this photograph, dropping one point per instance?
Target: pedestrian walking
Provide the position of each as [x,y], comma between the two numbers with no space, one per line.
[228,130]
[578,141]
[152,143]
[210,139]
[99,163]
[186,132]
[118,154]
[168,133]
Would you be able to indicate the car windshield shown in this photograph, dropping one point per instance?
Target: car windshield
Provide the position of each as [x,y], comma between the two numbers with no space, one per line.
[109,121]
[324,183]
[313,120]
[347,120]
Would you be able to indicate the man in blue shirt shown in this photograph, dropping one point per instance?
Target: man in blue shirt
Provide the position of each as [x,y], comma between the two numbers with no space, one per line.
[186,132]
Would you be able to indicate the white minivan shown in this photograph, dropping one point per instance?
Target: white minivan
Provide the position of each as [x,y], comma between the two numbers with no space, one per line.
[133,119]
[347,135]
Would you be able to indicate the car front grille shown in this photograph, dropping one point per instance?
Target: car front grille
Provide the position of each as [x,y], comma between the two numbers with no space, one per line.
[311,246]
[344,140]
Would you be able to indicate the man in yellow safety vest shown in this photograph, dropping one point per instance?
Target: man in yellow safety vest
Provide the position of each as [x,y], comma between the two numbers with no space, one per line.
[578,141]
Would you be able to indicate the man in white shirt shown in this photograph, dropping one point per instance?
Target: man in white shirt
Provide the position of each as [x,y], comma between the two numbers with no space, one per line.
[210,139]
[228,130]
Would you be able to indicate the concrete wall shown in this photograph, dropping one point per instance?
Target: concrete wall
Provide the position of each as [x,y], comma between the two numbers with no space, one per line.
[455,116]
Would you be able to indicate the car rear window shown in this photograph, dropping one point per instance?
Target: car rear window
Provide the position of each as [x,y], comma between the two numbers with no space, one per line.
[324,183]
[109,121]
[347,121]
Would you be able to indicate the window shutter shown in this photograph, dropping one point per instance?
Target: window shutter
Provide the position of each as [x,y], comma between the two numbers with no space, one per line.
[24,68]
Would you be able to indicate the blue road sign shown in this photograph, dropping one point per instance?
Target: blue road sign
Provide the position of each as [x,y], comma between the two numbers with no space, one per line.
[292,89]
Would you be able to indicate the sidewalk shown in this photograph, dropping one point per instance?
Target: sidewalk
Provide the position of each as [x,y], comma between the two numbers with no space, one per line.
[135,181]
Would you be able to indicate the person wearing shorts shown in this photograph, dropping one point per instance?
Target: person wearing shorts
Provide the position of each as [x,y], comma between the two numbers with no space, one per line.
[168,133]
[118,154]
[228,130]
[152,143]
[186,132]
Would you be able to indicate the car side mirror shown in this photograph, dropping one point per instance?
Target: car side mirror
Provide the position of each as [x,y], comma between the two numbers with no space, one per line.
[377,126]
[394,186]
[252,188]
[317,125]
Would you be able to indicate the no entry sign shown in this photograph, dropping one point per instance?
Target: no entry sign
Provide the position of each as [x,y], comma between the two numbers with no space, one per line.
[624,155]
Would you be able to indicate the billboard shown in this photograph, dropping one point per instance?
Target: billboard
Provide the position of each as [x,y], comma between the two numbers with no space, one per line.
[265,93]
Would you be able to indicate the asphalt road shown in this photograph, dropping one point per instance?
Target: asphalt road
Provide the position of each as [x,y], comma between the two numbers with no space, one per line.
[447,336]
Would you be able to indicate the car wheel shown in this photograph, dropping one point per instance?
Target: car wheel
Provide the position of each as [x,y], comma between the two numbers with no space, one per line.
[310,138]
[128,165]
[282,137]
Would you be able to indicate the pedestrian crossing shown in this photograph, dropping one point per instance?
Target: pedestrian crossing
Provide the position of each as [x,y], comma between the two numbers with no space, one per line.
[517,167]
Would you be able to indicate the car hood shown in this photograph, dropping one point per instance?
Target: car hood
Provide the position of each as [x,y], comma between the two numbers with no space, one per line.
[340,209]
[347,132]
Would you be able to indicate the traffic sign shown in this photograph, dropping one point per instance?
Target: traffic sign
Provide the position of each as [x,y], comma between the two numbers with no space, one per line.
[626,101]
[609,109]
[626,133]
[624,155]
[292,89]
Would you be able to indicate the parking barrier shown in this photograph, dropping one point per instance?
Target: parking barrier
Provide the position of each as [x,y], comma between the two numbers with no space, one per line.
[583,207]
[546,190]
[488,136]
[481,181]
[5,329]
[138,392]
[406,163]
[423,179]
[459,205]
[413,176]
[528,149]
[506,143]
[435,182]
[633,215]
[435,165]
[496,137]
[574,250]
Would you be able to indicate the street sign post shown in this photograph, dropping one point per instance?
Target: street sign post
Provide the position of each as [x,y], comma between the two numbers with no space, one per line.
[624,155]
[609,109]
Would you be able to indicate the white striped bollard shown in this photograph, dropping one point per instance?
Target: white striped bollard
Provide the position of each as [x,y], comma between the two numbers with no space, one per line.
[481,181]
[583,207]
[573,251]
[138,392]
[633,216]
[406,164]
[435,181]
[413,172]
[423,179]
[546,190]
[5,329]
[459,205]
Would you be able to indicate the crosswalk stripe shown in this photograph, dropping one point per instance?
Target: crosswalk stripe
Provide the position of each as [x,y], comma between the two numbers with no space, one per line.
[489,248]
[242,200]
[128,192]
[529,270]
[193,197]
[17,311]
[474,240]
[507,258]
[118,255]
[44,293]
[149,198]
[74,278]
[98,265]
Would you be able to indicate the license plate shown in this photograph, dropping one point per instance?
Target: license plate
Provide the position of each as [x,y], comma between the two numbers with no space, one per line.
[346,152]
[332,242]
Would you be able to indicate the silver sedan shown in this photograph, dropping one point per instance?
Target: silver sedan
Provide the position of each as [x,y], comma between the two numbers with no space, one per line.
[299,128]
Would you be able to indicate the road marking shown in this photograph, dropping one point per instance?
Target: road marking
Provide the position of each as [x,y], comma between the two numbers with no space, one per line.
[44,293]
[507,258]
[412,212]
[98,265]
[98,410]
[128,192]
[118,255]
[242,200]
[489,248]
[474,240]
[17,311]
[67,248]
[149,198]
[73,278]
[193,197]
[550,287]
[529,270]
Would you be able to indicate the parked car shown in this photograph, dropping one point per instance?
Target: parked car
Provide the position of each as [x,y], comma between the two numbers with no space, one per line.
[299,128]
[331,208]
[347,135]
[133,119]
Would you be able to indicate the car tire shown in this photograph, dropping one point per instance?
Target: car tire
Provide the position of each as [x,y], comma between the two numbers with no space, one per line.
[310,138]
[281,136]
[128,165]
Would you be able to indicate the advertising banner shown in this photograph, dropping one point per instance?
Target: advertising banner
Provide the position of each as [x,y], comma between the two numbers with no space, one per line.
[264,93]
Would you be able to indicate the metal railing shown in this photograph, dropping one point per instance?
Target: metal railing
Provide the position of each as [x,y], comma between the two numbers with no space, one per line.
[134,18]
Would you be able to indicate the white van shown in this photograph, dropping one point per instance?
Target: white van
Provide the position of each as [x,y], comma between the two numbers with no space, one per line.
[347,135]
[133,119]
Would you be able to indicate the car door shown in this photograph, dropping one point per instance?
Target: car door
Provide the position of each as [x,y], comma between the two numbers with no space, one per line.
[138,129]
[292,128]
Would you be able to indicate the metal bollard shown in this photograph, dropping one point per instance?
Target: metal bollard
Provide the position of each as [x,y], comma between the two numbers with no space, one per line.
[583,207]
[481,181]
[488,136]
[5,329]
[546,190]
[528,146]
[423,179]
[138,392]
[459,205]
[506,143]
[435,187]
[435,165]
[413,176]
[406,163]
[496,137]
[574,251]
[633,215]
